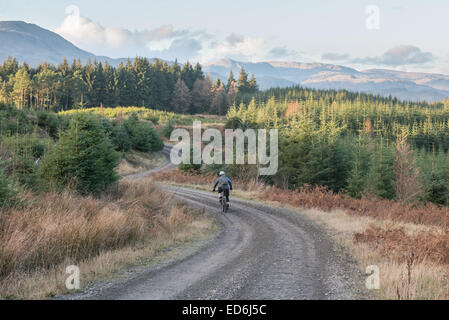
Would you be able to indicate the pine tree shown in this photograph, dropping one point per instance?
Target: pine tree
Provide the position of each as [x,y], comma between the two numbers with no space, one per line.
[188,75]
[232,93]
[357,179]
[407,183]
[242,83]
[231,81]
[219,103]
[252,85]
[201,96]
[182,98]
[21,88]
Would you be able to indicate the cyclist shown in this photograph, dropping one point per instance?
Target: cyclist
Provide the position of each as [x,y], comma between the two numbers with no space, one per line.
[224,185]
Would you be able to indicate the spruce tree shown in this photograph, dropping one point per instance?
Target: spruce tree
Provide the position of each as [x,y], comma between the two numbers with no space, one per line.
[182,98]
[242,82]
[252,85]
[83,156]
[231,81]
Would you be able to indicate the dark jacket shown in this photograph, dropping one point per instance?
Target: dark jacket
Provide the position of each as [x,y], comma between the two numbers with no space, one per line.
[223,183]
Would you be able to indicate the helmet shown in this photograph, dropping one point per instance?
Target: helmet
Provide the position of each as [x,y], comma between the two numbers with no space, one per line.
[222,173]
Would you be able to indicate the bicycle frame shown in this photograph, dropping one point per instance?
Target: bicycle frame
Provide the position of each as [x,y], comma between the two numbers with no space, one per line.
[223,202]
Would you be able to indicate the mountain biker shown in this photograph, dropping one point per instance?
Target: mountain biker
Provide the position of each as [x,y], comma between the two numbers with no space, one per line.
[224,185]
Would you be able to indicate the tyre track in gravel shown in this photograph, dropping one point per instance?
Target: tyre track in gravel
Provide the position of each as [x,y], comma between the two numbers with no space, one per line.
[262,252]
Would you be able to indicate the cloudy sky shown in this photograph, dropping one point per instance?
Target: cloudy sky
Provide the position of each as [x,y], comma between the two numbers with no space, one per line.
[408,35]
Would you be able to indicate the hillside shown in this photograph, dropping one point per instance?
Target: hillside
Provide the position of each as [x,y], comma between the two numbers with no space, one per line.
[403,85]
[33,44]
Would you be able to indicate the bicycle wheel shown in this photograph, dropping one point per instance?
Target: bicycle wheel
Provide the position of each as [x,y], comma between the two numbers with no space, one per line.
[223,204]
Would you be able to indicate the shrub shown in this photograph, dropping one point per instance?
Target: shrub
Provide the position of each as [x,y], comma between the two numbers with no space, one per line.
[167,130]
[49,122]
[234,123]
[7,192]
[20,154]
[142,135]
[83,154]
[120,138]
[13,121]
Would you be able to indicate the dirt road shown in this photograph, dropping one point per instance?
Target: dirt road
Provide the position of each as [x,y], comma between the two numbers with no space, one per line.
[261,253]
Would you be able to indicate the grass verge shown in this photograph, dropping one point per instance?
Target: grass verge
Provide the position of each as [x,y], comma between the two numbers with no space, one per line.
[409,244]
[129,226]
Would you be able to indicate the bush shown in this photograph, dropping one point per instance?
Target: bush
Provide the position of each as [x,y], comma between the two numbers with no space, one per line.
[234,123]
[49,122]
[84,155]
[13,121]
[167,130]
[142,135]
[120,138]
[20,154]
[7,192]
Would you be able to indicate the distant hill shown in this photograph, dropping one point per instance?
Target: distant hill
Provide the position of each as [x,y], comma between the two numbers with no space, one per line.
[33,44]
[403,85]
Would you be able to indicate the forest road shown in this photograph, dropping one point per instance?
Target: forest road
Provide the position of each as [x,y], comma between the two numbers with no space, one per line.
[261,252]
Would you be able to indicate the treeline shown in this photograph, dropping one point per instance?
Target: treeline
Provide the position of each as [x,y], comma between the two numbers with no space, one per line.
[426,125]
[182,89]
[353,143]
[44,151]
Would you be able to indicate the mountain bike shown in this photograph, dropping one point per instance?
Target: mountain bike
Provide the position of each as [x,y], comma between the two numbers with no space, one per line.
[223,202]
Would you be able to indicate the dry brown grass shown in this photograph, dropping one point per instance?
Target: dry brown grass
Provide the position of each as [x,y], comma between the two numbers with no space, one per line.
[321,198]
[55,229]
[408,242]
[137,162]
[396,244]
[411,247]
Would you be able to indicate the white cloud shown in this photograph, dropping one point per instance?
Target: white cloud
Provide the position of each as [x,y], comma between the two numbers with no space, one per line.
[165,42]
[402,55]
[113,41]
[244,48]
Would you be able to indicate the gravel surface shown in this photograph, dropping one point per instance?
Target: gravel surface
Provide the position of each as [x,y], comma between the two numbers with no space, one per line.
[262,252]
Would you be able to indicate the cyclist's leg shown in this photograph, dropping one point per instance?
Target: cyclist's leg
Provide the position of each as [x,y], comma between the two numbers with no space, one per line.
[227,195]
[220,194]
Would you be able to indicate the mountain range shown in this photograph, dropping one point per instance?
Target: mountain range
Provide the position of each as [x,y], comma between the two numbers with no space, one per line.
[33,44]
[411,86]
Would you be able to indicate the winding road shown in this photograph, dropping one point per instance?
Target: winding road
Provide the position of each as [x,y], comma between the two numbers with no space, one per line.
[261,252]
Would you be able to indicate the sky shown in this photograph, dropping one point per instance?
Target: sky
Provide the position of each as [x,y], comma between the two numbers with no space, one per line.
[408,35]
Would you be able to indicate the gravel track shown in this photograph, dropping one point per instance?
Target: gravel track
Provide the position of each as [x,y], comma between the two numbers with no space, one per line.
[261,252]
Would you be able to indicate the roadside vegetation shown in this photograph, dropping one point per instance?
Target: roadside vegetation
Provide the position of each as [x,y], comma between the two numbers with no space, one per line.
[129,225]
[61,201]
[157,117]
[373,170]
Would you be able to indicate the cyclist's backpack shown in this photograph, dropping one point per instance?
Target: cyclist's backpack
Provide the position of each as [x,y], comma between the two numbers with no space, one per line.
[223,181]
